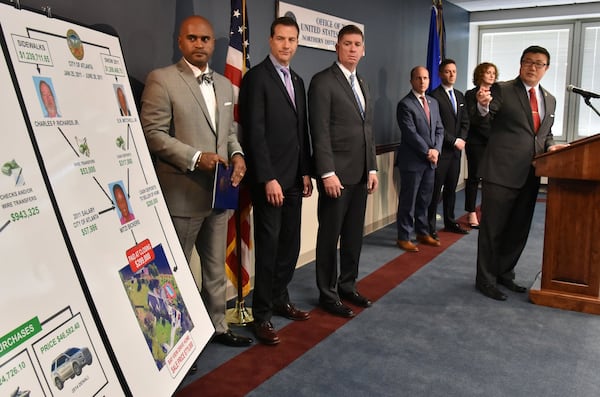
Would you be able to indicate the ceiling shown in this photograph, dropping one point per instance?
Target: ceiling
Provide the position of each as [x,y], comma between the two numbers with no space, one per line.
[489,5]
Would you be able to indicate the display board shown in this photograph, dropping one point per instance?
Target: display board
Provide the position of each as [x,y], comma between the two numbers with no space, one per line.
[80,198]
[45,312]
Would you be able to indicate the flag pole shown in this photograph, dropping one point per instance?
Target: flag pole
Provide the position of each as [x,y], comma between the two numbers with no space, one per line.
[240,314]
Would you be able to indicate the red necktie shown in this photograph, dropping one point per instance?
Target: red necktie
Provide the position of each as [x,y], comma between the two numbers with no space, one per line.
[426,107]
[534,110]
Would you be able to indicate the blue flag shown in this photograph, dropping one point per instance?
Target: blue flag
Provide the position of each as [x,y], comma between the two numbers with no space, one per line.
[433,52]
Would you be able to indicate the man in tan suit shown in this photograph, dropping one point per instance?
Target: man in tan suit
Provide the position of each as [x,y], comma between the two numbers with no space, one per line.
[187,116]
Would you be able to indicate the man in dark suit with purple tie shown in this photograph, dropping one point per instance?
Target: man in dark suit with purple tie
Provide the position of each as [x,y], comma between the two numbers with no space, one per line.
[272,104]
[417,156]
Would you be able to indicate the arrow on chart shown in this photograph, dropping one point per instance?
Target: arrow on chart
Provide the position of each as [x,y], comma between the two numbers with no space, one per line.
[4,226]
[69,142]
[166,239]
[107,196]
[129,132]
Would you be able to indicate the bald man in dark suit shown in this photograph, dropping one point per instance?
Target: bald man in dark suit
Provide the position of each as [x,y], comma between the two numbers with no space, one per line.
[420,146]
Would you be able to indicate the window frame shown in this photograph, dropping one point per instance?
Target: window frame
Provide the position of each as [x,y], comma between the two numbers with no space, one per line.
[570,104]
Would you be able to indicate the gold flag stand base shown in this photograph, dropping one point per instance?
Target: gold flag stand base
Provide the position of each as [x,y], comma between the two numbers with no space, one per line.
[239,315]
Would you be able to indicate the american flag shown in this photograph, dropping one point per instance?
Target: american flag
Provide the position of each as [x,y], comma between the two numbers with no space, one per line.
[237,63]
[238,52]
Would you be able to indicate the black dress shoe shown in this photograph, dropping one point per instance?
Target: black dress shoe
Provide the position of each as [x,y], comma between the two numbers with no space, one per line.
[435,236]
[355,298]
[491,291]
[230,339]
[511,285]
[338,308]
[456,228]
[290,311]
[265,333]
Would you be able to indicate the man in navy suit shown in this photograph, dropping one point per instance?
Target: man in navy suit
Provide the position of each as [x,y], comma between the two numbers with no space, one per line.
[272,104]
[456,124]
[341,120]
[522,114]
[422,135]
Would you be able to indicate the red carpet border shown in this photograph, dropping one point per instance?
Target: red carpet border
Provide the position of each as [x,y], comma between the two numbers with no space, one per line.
[249,369]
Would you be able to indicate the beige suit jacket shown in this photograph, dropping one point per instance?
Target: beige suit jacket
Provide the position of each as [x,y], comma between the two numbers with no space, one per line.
[177,124]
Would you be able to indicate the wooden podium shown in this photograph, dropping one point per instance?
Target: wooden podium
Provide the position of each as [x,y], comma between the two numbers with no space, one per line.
[571,262]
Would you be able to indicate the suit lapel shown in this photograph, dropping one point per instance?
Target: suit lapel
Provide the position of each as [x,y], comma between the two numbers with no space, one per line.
[450,104]
[365,93]
[297,87]
[432,121]
[446,98]
[221,90]
[339,75]
[418,105]
[188,77]
[521,92]
[279,82]
[548,107]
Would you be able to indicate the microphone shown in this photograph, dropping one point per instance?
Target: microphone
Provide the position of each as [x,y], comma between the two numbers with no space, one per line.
[584,93]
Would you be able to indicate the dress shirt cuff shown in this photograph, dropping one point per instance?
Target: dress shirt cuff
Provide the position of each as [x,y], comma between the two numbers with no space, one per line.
[237,152]
[327,174]
[195,160]
[483,110]
[373,172]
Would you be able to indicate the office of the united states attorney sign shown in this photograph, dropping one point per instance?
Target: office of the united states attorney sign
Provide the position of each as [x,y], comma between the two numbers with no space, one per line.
[317,30]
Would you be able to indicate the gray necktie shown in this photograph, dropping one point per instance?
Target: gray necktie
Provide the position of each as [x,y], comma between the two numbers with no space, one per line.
[360,106]
[205,78]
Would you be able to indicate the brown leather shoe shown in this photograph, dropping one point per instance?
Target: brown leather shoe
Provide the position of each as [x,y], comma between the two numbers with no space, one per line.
[290,311]
[265,333]
[407,246]
[427,240]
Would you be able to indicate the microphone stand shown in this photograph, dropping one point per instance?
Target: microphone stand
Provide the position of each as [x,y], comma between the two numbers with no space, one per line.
[587,102]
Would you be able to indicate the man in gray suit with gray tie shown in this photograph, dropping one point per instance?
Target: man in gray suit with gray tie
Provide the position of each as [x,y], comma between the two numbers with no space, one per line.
[341,120]
[187,116]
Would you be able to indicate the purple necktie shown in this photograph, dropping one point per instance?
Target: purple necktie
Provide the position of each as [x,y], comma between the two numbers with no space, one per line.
[288,84]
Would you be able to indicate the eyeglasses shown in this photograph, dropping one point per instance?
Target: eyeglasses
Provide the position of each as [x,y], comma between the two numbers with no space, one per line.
[529,63]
